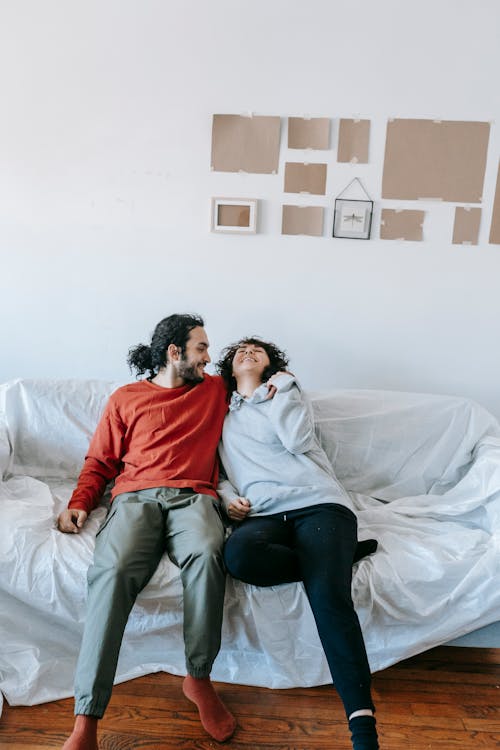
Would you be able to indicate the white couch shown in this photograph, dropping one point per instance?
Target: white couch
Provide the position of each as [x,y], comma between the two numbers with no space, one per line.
[424,472]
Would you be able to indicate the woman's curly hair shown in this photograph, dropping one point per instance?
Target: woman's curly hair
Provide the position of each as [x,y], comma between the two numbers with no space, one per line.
[278,360]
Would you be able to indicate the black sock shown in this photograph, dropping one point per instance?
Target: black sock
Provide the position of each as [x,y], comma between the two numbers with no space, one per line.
[366,547]
[363,733]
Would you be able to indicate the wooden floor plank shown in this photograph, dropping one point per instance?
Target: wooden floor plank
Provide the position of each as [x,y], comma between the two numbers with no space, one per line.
[445,699]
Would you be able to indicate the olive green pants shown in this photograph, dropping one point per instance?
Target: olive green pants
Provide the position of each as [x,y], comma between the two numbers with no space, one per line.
[140,527]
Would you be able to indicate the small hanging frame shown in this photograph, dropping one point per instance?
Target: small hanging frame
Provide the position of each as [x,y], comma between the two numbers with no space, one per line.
[352,218]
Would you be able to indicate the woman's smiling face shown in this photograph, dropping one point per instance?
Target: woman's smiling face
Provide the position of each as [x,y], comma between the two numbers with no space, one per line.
[250,358]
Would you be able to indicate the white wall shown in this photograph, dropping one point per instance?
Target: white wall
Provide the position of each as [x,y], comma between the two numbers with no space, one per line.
[105,185]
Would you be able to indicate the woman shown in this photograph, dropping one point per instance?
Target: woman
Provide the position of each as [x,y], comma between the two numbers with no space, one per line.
[296,522]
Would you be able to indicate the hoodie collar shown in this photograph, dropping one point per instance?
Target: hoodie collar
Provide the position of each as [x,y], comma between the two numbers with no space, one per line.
[257,397]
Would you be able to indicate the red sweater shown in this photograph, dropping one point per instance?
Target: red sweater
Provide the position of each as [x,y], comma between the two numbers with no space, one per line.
[150,436]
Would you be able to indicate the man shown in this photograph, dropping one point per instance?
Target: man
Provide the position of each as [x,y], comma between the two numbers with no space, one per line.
[157,439]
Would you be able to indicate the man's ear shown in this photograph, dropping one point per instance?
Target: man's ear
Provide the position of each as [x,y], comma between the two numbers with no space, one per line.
[173,353]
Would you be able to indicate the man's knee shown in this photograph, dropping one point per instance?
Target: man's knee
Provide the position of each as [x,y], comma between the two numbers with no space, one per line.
[205,555]
[208,557]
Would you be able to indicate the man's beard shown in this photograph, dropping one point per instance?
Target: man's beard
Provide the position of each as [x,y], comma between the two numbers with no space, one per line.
[189,373]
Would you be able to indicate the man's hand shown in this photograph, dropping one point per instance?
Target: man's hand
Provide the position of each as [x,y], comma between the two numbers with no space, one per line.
[238,509]
[71,520]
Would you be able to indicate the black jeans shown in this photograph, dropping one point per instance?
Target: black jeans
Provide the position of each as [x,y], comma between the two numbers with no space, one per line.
[315,545]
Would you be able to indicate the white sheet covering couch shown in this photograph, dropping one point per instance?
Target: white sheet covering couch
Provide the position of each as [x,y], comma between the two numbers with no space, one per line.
[424,472]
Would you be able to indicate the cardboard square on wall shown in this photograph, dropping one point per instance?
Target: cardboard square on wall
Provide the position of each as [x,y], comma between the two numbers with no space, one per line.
[429,159]
[302,220]
[305,178]
[466,226]
[354,138]
[495,217]
[309,133]
[401,224]
[248,144]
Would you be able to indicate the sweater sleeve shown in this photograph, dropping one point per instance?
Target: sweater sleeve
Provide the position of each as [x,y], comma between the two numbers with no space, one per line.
[291,415]
[102,462]
[226,492]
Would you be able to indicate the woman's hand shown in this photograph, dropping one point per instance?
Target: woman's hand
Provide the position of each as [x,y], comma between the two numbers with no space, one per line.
[278,375]
[238,509]
[270,383]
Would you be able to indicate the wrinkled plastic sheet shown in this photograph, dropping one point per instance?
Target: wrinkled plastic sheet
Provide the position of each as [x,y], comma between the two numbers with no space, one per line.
[423,471]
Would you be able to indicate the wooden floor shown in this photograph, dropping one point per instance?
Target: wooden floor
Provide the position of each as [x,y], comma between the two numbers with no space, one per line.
[446,698]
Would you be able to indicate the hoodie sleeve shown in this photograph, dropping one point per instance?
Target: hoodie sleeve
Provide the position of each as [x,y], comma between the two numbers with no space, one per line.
[291,415]
[226,491]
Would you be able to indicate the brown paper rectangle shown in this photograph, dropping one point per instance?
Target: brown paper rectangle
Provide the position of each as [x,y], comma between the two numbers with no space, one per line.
[302,220]
[354,137]
[466,226]
[249,144]
[305,178]
[495,217]
[309,133]
[435,159]
[401,224]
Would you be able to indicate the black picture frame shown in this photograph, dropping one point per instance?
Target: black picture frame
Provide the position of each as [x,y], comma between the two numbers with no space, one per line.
[352,219]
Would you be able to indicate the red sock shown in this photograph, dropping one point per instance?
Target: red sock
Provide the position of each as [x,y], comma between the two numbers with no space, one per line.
[214,716]
[84,735]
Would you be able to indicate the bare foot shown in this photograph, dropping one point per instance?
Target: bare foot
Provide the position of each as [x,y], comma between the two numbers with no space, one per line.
[214,716]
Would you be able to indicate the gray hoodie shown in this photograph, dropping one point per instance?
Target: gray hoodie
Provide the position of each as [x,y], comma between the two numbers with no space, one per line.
[271,454]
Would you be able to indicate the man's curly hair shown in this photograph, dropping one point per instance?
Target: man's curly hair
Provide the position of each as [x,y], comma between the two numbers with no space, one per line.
[278,360]
[175,329]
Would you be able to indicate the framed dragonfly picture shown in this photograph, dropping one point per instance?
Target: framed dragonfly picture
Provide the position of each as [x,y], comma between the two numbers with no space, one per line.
[352,219]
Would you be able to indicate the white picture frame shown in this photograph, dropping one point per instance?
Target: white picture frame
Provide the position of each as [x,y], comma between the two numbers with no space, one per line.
[234,215]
